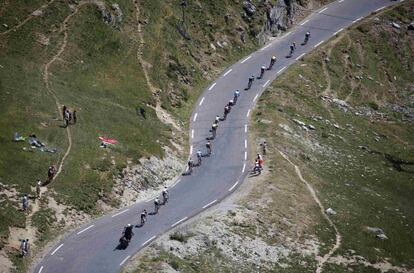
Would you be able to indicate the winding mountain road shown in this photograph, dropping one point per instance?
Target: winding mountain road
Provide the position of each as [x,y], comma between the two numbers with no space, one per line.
[92,248]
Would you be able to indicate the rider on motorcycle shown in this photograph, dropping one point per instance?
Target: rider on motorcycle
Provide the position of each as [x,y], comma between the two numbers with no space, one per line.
[128,233]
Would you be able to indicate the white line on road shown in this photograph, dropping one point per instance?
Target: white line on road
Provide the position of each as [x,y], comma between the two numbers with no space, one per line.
[280,70]
[191,150]
[195,117]
[212,86]
[255,97]
[124,260]
[225,74]
[54,251]
[119,213]
[266,83]
[300,56]
[338,31]
[245,155]
[209,204]
[234,185]
[176,182]
[248,112]
[265,47]
[323,10]
[85,229]
[192,133]
[246,59]
[304,22]
[379,9]
[176,223]
[318,44]
[201,102]
[244,167]
[41,269]
[356,20]
[245,143]
[149,240]
[245,128]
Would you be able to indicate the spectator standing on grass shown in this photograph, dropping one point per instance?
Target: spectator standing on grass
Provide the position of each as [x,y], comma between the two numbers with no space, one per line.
[51,173]
[67,117]
[25,202]
[38,185]
[74,116]
[24,247]
[64,108]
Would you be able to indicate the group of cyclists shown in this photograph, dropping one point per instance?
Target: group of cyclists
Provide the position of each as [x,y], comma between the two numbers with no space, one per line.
[213,130]
[128,229]
[258,167]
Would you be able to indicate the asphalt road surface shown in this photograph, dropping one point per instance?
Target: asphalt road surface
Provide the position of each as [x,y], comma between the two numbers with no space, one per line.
[92,248]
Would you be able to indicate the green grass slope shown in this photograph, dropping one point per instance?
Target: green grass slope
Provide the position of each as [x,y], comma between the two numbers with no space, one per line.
[360,159]
[64,53]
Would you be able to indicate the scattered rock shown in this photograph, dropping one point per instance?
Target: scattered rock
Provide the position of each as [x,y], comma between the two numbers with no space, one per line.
[37,13]
[330,211]
[213,47]
[118,12]
[5,25]
[265,121]
[395,25]
[381,236]
[311,127]
[285,127]
[299,122]
[411,26]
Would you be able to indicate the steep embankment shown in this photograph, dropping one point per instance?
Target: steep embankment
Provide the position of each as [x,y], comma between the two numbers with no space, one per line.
[336,194]
[131,70]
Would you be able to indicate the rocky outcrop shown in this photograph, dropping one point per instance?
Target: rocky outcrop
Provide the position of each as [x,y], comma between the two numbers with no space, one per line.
[143,180]
[281,15]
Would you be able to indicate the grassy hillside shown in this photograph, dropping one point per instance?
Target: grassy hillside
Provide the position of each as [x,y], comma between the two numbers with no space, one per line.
[55,53]
[341,123]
